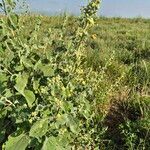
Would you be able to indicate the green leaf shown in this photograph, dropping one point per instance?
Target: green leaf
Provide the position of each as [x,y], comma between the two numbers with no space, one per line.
[3,77]
[47,70]
[52,143]
[49,143]
[8,55]
[17,143]
[72,123]
[61,120]
[26,62]
[21,83]
[14,18]
[19,68]
[48,54]
[65,139]
[39,128]
[30,97]
[35,85]
[8,93]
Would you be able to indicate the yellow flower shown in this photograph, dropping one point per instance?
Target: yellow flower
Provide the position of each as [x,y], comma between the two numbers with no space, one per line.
[94,36]
[83,82]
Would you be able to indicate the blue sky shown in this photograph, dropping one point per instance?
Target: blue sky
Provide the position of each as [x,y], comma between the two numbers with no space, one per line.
[119,8]
[122,8]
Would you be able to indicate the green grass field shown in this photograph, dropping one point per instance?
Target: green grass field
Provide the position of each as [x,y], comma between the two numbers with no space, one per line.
[104,103]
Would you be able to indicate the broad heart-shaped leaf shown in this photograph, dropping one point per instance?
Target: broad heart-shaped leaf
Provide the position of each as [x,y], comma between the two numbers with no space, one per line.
[52,143]
[21,82]
[39,128]
[17,143]
[29,96]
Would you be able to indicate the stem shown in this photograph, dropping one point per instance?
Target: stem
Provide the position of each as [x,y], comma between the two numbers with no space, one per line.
[4,7]
[5,69]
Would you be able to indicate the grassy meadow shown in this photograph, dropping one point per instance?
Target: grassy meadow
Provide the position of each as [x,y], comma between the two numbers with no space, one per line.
[114,65]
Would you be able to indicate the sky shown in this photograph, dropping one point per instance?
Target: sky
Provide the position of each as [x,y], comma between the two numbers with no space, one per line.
[109,8]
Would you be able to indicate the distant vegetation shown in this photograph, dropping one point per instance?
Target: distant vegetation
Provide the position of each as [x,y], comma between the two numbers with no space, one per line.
[80,83]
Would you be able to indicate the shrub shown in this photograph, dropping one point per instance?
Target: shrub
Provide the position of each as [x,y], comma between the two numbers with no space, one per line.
[48,96]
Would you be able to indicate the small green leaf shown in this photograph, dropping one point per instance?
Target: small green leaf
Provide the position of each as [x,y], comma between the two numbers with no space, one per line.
[30,97]
[14,18]
[49,143]
[17,143]
[26,62]
[19,68]
[35,85]
[61,120]
[52,143]
[39,128]
[49,54]
[65,139]
[8,93]
[3,77]
[47,70]
[72,123]
[21,83]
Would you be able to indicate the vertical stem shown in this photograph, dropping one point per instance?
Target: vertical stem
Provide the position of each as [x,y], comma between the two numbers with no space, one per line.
[4,7]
